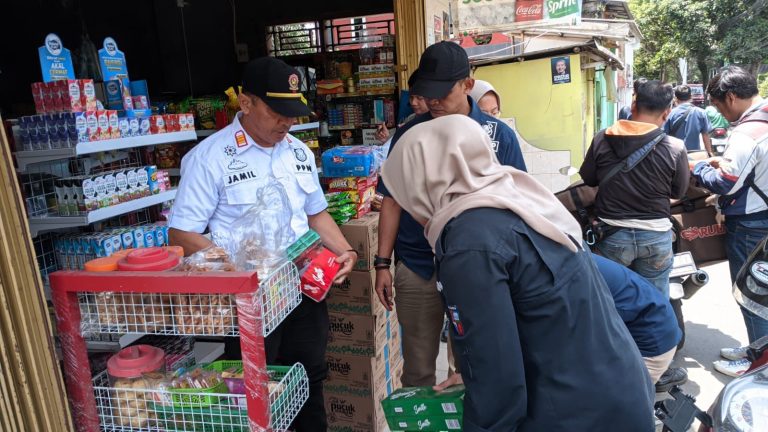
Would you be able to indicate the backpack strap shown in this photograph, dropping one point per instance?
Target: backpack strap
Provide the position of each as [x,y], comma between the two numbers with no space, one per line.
[633,159]
[680,121]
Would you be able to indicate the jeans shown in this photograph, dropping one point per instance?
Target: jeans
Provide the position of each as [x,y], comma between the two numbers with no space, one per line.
[741,237]
[648,253]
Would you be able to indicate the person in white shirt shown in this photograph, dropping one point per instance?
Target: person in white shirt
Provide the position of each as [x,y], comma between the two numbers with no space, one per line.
[220,179]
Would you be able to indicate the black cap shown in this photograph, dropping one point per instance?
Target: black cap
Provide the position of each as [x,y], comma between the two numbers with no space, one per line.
[277,84]
[441,66]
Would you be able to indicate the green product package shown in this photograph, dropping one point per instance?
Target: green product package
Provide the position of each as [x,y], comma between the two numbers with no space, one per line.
[426,423]
[424,401]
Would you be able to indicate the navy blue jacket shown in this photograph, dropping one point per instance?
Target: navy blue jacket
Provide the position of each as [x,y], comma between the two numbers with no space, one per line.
[535,329]
[411,246]
[647,314]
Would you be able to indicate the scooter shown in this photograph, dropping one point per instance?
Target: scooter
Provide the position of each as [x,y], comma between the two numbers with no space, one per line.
[685,280]
[719,139]
[742,405]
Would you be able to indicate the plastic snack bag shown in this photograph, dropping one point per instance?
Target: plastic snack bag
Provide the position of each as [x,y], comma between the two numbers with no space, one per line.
[259,238]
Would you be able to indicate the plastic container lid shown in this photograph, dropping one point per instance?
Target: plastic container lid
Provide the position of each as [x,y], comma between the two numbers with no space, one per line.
[136,360]
[149,259]
[178,250]
[122,253]
[107,264]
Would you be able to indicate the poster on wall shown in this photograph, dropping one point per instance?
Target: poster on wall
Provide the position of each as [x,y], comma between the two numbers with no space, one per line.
[561,70]
[438,23]
[486,16]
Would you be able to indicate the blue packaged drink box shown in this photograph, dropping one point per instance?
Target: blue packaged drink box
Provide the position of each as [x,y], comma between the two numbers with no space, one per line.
[127,237]
[138,237]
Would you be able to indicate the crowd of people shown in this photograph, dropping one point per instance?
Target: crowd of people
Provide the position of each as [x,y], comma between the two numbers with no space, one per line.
[543,333]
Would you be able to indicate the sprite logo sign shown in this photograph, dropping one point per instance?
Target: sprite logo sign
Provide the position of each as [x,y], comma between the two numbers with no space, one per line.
[562,8]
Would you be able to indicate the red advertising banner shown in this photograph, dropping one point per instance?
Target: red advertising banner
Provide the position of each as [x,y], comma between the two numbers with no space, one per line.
[529,10]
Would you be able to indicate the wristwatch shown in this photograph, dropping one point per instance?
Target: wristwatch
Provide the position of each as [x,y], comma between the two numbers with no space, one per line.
[379,262]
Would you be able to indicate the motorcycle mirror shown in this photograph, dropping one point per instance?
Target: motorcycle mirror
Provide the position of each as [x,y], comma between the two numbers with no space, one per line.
[568,171]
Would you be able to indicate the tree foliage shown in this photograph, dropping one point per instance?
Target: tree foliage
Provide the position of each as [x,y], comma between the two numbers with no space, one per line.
[708,33]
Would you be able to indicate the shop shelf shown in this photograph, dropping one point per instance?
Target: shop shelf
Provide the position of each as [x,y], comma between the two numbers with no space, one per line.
[305,126]
[151,409]
[188,314]
[24,158]
[382,92]
[38,224]
[205,133]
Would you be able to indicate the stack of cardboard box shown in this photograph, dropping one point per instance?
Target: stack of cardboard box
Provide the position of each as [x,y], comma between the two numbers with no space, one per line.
[364,356]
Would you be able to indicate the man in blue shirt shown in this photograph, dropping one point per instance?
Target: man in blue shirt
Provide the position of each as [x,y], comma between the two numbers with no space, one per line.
[443,80]
[688,122]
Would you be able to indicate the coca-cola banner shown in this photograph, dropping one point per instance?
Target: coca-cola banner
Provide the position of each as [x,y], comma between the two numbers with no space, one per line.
[479,16]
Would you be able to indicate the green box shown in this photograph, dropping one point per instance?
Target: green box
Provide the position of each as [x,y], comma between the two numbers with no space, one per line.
[423,401]
[426,423]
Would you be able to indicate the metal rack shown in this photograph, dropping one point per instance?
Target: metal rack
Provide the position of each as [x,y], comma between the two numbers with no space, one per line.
[97,407]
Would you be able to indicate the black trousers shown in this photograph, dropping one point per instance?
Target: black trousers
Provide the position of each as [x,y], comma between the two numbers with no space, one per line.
[302,338]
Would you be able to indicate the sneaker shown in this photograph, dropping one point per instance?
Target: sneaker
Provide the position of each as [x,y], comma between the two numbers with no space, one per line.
[734,353]
[733,368]
[670,378]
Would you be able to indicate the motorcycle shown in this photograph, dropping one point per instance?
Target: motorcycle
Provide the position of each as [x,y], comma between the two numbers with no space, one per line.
[742,405]
[719,139]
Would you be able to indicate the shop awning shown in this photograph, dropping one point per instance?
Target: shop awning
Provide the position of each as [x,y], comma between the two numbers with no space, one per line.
[591,47]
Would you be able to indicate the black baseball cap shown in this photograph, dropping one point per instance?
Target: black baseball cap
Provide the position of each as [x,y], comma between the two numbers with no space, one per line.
[441,66]
[277,84]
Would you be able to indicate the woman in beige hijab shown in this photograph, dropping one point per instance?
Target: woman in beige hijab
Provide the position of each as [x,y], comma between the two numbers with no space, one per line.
[539,340]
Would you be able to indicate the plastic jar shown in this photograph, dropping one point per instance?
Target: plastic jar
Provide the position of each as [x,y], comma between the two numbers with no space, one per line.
[129,365]
[126,370]
[149,259]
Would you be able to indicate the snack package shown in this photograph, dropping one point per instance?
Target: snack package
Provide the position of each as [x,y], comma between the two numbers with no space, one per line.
[259,238]
[317,279]
[213,258]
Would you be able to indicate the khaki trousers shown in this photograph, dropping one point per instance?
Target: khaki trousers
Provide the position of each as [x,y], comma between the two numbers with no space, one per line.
[658,365]
[420,313]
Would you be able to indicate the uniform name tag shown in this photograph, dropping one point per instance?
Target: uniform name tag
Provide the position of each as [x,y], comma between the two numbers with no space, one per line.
[239,177]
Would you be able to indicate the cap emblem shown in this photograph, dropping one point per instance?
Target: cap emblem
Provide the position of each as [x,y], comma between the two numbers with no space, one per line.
[293,83]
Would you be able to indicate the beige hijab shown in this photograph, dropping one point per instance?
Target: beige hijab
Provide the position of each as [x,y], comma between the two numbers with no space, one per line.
[443,167]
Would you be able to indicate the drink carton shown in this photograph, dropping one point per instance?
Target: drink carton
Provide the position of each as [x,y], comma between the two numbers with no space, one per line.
[61,197]
[92,122]
[145,127]
[124,127]
[103,124]
[71,97]
[90,195]
[142,178]
[37,96]
[110,190]
[152,182]
[77,201]
[126,236]
[156,124]
[138,237]
[133,123]
[88,94]
[121,181]
[81,126]
[114,125]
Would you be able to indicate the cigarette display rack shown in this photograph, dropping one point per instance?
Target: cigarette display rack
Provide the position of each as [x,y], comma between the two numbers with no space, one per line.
[179,303]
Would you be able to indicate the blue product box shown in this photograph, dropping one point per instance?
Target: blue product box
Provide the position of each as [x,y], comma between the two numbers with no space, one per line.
[154,186]
[127,236]
[117,242]
[106,244]
[114,94]
[139,88]
[149,238]
[138,237]
[160,237]
[348,161]
[144,125]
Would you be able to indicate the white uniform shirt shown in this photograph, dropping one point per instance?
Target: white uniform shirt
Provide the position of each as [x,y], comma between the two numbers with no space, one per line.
[221,175]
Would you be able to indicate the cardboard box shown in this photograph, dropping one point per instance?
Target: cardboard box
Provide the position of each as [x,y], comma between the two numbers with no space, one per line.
[412,401]
[358,289]
[427,423]
[114,124]
[122,186]
[364,372]
[352,409]
[92,124]
[157,124]
[363,235]
[88,94]
[361,335]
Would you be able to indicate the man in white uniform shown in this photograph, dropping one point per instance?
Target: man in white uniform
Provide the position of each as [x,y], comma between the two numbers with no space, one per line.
[219,182]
